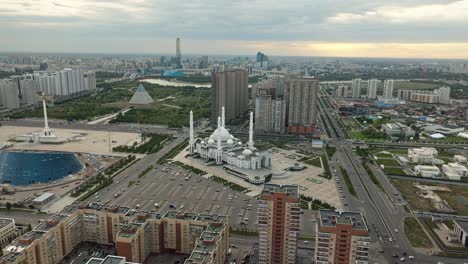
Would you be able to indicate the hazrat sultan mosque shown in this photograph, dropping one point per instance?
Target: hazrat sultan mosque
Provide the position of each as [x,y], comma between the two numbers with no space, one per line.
[237,158]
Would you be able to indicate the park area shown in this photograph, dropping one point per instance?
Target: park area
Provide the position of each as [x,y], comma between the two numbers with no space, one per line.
[171,104]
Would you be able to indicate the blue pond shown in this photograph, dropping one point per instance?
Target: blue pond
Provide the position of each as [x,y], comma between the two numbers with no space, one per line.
[22,168]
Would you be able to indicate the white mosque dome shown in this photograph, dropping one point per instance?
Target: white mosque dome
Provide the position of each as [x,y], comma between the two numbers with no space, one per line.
[230,141]
[203,142]
[239,143]
[247,152]
[211,141]
[223,132]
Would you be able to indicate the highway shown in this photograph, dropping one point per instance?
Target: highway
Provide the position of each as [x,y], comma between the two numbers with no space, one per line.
[383,212]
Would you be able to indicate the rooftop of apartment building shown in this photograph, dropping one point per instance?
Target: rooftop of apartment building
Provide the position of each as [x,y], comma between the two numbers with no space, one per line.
[204,247]
[109,260]
[290,190]
[211,233]
[5,221]
[330,218]
[50,222]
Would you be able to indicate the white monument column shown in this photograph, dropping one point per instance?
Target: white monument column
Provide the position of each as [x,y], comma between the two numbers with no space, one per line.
[191,140]
[46,121]
[219,150]
[223,117]
[251,142]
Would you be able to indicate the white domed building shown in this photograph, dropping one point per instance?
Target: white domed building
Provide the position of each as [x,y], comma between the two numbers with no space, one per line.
[241,160]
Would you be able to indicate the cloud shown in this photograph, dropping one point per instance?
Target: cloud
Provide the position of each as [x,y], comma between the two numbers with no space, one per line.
[235,25]
[427,13]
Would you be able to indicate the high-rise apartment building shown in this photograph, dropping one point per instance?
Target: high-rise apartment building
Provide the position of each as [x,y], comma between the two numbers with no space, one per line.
[65,82]
[372,89]
[437,96]
[342,91]
[8,94]
[229,89]
[388,89]
[356,88]
[17,91]
[270,106]
[341,238]
[202,238]
[444,94]
[302,98]
[278,224]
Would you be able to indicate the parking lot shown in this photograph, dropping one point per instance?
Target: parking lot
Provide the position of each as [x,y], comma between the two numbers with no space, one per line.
[169,187]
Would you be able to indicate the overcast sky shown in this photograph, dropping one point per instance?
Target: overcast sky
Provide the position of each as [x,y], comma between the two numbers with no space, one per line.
[351,28]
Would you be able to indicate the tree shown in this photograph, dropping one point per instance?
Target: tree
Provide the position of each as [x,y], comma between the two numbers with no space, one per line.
[8,206]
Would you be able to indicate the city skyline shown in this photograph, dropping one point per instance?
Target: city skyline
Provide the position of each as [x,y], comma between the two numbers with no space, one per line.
[403,29]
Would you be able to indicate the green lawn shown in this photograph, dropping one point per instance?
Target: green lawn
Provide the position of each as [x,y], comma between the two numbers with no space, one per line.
[358,135]
[398,151]
[415,234]
[383,155]
[397,171]
[313,162]
[388,162]
[349,184]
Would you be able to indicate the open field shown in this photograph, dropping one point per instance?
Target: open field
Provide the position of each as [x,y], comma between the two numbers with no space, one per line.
[407,85]
[457,198]
[415,234]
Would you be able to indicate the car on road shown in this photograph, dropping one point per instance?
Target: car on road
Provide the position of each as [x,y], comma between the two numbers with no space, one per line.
[411,257]
[402,259]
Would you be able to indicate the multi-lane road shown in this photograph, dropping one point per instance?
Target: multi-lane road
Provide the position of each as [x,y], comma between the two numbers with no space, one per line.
[383,210]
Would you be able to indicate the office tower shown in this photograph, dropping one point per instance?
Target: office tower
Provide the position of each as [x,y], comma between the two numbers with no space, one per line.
[278,224]
[342,91]
[302,96]
[341,238]
[372,89]
[229,89]
[388,89]
[262,61]
[43,66]
[356,88]
[204,62]
[178,54]
[444,94]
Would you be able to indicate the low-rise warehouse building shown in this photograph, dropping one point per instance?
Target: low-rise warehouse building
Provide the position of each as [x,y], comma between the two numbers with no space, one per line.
[461,231]
[43,199]
[422,155]
[427,171]
[454,171]
[398,130]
